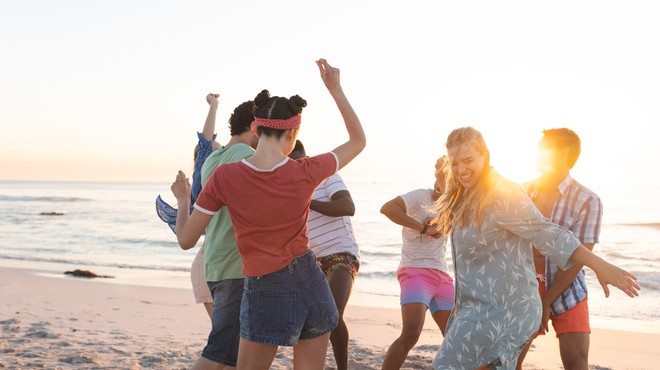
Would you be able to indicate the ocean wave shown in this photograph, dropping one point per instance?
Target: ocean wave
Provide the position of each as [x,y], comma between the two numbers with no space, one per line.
[97,264]
[629,257]
[127,241]
[28,198]
[379,253]
[361,290]
[377,275]
[652,225]
[648,280]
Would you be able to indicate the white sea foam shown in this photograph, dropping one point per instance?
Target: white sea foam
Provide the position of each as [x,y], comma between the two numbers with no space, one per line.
[112,228]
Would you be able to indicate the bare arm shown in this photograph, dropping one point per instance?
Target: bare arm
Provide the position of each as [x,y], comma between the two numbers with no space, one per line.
[607,273]
[209,125]
[189,228]
[563,279]
[340,204]
[356,137]
[395,210]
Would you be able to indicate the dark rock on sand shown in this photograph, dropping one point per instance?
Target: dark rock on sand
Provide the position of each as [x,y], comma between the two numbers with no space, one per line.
[51,214]
[86,274]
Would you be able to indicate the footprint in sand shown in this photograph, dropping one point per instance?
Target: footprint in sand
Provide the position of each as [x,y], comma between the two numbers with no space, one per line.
[78,360]
[41,334]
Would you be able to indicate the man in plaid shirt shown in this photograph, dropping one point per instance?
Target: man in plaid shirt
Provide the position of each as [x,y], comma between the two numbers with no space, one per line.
[567,203]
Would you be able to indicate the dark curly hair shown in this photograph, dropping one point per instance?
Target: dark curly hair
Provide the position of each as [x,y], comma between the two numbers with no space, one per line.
[276,107]
[242,117]
[298,151]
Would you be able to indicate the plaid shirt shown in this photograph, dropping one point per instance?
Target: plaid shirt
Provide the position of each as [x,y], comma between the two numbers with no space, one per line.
[166,212]
[579,210]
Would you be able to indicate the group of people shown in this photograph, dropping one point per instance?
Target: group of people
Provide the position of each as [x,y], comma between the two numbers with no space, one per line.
[279,255]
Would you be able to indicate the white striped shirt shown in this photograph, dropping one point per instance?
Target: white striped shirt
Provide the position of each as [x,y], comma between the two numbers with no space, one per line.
[421,251]
[330,235]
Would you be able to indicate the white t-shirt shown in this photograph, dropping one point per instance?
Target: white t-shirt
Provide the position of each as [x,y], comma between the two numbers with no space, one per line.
[421,251]
[329,235]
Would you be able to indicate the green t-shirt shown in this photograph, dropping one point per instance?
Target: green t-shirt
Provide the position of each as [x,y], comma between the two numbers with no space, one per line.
[221,258]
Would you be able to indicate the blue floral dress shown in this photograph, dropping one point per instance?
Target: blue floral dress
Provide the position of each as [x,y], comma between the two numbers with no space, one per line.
[497,306]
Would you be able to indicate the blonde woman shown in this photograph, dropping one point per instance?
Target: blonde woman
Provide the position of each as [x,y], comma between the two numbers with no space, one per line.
[492,225]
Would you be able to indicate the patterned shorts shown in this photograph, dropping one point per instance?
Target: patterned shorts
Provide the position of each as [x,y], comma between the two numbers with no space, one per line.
[339,261]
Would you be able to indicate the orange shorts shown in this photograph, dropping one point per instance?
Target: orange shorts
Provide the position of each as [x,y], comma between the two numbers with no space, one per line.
[575,320]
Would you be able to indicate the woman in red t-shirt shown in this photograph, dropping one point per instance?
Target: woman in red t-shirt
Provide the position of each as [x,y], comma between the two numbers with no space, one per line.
[286,300]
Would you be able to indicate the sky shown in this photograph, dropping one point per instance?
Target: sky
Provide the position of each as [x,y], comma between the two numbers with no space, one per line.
[115,90]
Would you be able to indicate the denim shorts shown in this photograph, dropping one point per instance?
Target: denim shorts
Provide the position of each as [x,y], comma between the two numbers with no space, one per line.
[222,345]
[285,306]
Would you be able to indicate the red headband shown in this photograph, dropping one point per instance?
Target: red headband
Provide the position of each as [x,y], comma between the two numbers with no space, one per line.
[279,124]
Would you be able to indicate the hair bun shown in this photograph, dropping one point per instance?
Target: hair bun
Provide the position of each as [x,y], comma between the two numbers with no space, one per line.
[297,103]
[261,98]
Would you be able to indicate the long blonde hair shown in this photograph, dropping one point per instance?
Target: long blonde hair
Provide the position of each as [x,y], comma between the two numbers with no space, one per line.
[456,207]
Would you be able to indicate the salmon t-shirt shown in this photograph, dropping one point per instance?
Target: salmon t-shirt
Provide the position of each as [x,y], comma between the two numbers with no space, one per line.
[268,208]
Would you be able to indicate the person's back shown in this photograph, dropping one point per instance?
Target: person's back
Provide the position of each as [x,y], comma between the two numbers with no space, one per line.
[301,311]
[221,259]
[270,205]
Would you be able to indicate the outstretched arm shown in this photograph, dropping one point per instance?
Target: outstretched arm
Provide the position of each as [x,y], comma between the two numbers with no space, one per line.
[563,279]
[607,273]
[340,204]
[356,137]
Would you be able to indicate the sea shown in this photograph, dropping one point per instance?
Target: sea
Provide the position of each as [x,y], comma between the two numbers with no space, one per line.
[113,229]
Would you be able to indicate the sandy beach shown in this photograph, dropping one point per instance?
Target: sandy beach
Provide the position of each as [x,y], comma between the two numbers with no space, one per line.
[52,321]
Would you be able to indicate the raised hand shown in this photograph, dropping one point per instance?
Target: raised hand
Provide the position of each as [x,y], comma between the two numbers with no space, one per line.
[181,188]
[329,74]
[212,99]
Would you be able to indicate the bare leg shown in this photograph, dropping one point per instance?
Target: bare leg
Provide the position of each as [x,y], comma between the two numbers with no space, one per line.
[255,356]
[521,358]
[309,354]
[413,315]
[209,308]
[341,283]
[206,364]
[441,317]
[574,350]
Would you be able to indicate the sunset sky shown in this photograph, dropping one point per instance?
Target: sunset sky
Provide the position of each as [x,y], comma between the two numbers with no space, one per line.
[114,90]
